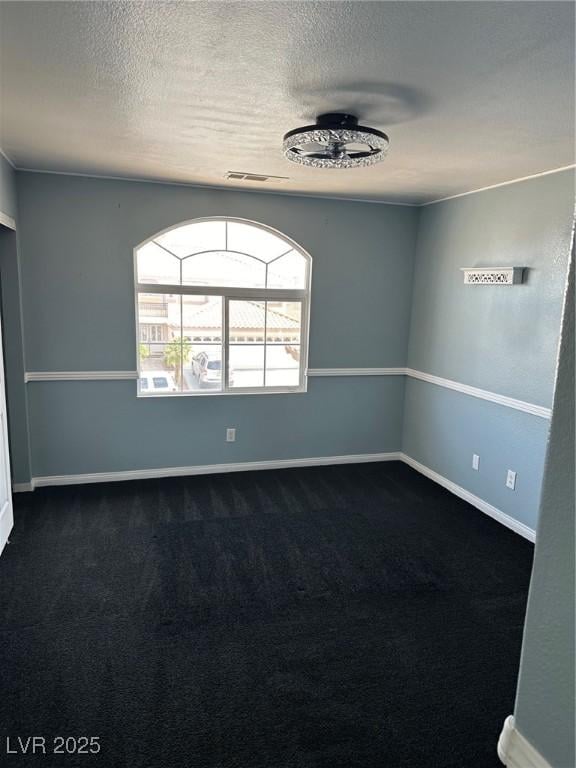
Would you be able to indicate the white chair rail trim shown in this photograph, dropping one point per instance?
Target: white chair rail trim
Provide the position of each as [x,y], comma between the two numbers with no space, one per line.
[515,751]
[356,371]
[79,375]
[483,394]
[465,389]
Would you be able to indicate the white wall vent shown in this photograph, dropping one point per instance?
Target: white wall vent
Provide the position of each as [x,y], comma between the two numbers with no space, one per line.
[245,176]
[493,275]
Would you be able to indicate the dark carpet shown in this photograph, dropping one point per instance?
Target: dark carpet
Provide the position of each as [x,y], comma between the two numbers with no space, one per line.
[338,617]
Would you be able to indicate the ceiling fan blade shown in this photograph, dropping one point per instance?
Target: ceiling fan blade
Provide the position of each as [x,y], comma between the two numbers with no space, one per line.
[304,153]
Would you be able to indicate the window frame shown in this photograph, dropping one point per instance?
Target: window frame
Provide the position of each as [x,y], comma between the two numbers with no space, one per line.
[226,294]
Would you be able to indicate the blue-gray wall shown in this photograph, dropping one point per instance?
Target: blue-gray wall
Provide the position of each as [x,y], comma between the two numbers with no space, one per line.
[501,339]
[443,428]
[387,291]
[77,236]
[545,710]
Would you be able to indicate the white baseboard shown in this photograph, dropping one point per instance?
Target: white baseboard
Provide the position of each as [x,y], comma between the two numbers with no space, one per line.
[23,487]
[208,469]
[7,221]
[248,466]
[476,501]
[515,751]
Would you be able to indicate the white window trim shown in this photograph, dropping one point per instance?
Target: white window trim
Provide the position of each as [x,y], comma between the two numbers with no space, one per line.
[246,294]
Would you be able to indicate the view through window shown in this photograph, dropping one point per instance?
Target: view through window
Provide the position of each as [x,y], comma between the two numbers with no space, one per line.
[222,306]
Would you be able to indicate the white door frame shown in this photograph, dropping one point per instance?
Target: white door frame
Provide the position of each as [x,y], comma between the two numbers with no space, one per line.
[6,509]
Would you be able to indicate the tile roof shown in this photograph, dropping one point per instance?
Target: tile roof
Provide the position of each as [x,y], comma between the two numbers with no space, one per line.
[245,314]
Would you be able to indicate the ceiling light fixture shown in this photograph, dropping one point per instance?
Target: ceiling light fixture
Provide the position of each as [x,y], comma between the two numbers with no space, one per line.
[336,141]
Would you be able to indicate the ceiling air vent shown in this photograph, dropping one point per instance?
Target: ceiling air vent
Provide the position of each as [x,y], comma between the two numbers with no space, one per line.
[493,275]
[244,176]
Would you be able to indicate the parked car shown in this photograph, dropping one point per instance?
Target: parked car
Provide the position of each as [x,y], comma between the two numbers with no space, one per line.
[156,381]
[207,369]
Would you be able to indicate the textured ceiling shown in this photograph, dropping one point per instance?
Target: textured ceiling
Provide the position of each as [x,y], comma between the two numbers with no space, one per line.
[470,93]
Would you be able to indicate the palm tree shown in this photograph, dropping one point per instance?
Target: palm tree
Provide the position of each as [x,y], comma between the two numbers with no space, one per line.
[176,354]
[144,351]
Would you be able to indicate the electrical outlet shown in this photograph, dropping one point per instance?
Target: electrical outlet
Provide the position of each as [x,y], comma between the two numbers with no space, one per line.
[475,462]
[511,480]
[231,435]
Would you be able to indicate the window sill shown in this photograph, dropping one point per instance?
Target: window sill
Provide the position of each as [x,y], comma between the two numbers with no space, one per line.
[219,393]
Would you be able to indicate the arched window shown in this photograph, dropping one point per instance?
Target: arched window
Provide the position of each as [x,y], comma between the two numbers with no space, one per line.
[222,306]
